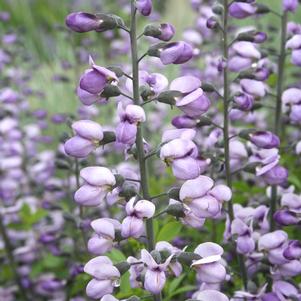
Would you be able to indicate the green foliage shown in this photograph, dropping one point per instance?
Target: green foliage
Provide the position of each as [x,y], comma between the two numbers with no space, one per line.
[169,231]
[28,218]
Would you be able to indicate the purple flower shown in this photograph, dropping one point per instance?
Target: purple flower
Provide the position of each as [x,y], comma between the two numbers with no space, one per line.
[136,269]
[209,267]
[241,10]
[276,176]
[290,5]
[203,198]
[253,87]
[175,266]
[176,53]
[167,32]
[129,116]
[107,298]
[144,7]
[265,139]
[245,243]
[98,182]
[95,79]
[211,295]
[286,217]
[88,134]
[296,57]
[155,277]
[184,121]
[293,250]
[244,101]
[83,22]
[104,229]
[155,81]
[194,104]
[294,42]
[182,155]
[185,84]
[105,277]
[132,225]
[272,240]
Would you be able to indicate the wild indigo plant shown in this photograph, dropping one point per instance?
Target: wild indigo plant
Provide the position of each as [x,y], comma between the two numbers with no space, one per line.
[190,192]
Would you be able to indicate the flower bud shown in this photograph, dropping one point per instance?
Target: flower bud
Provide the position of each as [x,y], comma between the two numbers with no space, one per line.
[286,218]
[184,122]
[244,101]
[218,9]
[163,32]
[176,209]
[240,10]
[144,7]
[264,139]
[290,5]
[212,23]
[84,22]
[110,91]
[169,97]
[175,53]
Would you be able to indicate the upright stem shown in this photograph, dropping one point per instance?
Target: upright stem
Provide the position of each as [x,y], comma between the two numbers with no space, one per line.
[226,107]
[226,132]
[277,121]
[10,256]
[139,137]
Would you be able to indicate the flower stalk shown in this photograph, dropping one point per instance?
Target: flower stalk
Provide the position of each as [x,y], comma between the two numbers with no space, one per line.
[226,131]
[277,121]
[139,137]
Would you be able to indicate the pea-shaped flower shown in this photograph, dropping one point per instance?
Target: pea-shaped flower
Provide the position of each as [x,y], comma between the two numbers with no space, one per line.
[155,277]
[132,225]
[98,182]
[103,239]
[105,277]
[130,117]
[242,10]
[264,139]
[194,104]
[176,53]
[209,267]
[182,155]
[203,198]
[88,135]
[272,240]
[210,295]
[83,22]
[290,5]
[253,87]
[144,7]
[93,82]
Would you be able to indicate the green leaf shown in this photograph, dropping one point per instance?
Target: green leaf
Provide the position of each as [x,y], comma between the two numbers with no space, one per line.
[175,283]
[116,256]
[169,231]
[51,261]
[79,284]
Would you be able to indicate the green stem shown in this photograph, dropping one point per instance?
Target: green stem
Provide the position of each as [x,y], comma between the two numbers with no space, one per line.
[139,137]
[277,124]
[226,108]
[226,132]
[10,256]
